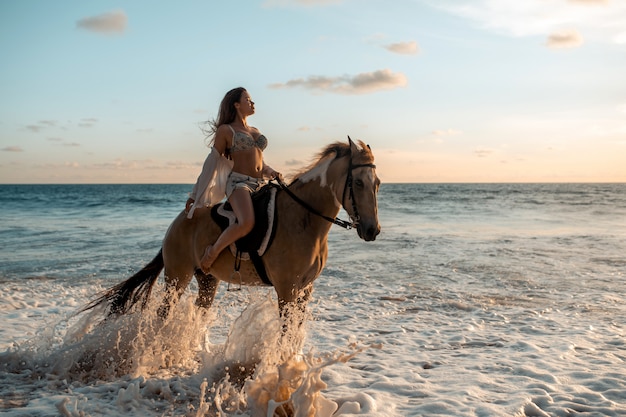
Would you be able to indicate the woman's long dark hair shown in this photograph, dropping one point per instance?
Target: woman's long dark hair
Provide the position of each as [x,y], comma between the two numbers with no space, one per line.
[225,115]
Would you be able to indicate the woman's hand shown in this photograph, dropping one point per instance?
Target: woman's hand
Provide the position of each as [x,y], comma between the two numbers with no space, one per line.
[271,173]
[188,204]
[275,175]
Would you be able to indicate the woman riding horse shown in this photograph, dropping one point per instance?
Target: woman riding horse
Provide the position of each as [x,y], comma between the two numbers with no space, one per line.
[244,144]
[344,175]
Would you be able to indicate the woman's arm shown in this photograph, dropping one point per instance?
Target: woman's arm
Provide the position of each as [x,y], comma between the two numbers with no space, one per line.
[222,137]
[269,172]
[220,144]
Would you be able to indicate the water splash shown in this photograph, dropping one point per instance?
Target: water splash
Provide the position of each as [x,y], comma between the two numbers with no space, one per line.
[285,382]
[257,370]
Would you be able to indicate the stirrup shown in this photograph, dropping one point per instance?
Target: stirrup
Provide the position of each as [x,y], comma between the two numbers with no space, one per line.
[236,272]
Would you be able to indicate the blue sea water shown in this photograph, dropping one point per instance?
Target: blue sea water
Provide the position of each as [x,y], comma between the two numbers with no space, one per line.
[75,231]
[79,231]
[487,299]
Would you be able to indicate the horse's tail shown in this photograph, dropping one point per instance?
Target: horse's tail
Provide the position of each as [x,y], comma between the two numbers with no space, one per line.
[122,297]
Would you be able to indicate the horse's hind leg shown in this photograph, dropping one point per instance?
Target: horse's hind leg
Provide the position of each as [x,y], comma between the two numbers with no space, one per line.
[174,288]
[207,288]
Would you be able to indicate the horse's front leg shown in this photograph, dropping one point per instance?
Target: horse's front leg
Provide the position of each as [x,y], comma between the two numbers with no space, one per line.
[297,306]
[207,288]
[293,316]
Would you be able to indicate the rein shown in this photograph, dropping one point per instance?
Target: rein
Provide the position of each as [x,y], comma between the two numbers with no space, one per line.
[348,186]
[345,224]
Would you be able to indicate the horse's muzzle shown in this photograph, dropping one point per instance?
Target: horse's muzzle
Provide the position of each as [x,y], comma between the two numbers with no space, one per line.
[368,233]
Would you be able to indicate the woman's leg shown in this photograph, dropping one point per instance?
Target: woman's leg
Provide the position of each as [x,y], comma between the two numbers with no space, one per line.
[241,203]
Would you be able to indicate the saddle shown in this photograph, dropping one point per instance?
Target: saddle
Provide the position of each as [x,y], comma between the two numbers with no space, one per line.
[254,244]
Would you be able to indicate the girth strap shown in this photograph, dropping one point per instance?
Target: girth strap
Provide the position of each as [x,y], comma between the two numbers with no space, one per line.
[258,263]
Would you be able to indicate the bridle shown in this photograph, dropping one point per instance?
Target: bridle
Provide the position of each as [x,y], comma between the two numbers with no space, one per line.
[354,219]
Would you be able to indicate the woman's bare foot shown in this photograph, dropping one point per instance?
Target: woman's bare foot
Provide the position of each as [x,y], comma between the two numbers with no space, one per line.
[207,259]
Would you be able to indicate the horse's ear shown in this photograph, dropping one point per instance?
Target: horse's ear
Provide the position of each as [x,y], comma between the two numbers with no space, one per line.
[353,146]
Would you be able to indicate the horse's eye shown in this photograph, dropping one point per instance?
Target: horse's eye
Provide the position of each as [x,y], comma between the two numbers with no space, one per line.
[359,183]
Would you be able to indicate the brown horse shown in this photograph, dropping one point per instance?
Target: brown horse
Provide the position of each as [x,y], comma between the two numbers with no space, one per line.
[344,175]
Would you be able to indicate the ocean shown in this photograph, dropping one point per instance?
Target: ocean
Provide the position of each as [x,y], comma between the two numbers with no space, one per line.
[475,300]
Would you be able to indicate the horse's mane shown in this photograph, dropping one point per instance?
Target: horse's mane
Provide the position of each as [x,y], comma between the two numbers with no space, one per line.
[340,150]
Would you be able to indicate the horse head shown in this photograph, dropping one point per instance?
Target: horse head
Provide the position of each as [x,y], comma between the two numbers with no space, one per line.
[360,192]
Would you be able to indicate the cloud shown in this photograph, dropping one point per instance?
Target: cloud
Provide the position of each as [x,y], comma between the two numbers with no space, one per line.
[88,122]
[305,3]
[108,23]
[483,153]
[177,165]
[446,132]
[590,2]
[366,82]
[294,162]
[403,48]
[121,164]
[620,38]
[599,20]
[40,125]
[309,129]
[564,39]
[13,149]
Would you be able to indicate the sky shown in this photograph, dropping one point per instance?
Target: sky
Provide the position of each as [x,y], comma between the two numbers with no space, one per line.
[442,90]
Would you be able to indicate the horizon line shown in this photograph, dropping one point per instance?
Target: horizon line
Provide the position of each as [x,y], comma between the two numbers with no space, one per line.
[383,183]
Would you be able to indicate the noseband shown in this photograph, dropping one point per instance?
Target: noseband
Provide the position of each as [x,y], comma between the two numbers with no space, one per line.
[354,218]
